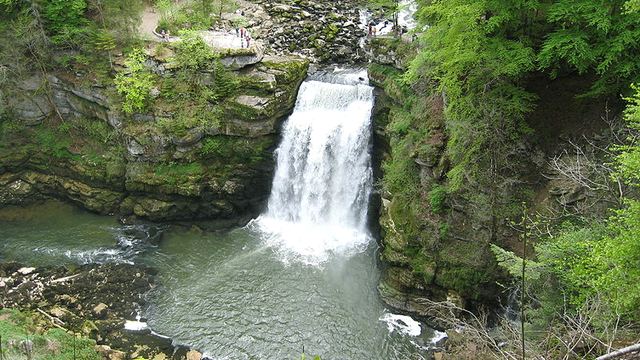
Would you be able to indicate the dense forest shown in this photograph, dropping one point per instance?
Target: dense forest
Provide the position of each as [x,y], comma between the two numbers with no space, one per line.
[483,84]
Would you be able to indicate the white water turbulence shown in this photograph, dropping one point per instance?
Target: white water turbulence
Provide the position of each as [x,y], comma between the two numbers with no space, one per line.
[319,199]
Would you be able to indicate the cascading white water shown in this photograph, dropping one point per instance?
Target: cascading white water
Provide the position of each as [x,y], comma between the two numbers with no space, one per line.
[319,199]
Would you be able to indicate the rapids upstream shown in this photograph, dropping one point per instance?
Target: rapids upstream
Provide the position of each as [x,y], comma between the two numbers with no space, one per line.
[301,276]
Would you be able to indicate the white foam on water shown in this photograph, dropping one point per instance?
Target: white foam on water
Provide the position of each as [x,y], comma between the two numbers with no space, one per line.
[135,325]
[402,324]
[97,255]
[438,336]
[311,244]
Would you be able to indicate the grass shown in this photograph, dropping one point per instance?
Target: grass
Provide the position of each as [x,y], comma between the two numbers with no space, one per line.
[18,329]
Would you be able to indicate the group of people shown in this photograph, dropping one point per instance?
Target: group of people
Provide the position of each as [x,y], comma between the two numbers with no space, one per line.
[372,30]
[165,35]
[244,36]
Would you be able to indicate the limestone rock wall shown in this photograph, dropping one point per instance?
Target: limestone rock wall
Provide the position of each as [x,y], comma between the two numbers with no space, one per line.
[437,246]
[111,163]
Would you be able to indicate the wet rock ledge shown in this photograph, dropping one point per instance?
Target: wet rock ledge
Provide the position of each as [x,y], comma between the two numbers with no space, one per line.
[94,301]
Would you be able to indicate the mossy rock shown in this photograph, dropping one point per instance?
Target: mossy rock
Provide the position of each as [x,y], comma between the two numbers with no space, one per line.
[290,69]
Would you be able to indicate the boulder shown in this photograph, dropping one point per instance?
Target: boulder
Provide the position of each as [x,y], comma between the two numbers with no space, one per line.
[30,109]
[238,59]
[255,102]
[193,355]
[109,354]
[52,346]
[100,311]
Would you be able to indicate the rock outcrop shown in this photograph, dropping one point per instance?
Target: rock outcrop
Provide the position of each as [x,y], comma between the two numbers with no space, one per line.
[436,244]
[113,163]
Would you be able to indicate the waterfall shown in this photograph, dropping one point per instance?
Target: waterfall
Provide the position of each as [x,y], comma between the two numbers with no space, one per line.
[319,198]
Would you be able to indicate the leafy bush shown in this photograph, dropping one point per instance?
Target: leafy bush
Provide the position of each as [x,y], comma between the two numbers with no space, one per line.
[66,21]
[98,130]
[240,150]
[192,52]
[136,85]
[54,141]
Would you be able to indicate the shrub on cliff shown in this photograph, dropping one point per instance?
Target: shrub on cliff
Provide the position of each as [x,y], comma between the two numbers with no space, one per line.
[136,84]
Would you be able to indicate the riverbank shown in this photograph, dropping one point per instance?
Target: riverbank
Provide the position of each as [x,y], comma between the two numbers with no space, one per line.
[99,302]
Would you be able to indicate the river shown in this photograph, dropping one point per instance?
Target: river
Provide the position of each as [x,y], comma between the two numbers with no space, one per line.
[301,277]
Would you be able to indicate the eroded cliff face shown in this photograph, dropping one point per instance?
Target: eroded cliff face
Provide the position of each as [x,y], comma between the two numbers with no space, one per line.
[64,134]
[436,245]
[65,137]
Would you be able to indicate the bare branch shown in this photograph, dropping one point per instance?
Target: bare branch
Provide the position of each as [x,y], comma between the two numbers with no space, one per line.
[615,354]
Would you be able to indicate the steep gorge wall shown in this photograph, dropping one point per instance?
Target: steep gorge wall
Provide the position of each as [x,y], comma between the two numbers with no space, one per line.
[64,135]
[70,140]
[437,245]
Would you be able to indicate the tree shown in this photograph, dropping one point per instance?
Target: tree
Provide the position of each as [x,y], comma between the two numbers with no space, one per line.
[65,21]
[119,17]
[478,68]
[594,35]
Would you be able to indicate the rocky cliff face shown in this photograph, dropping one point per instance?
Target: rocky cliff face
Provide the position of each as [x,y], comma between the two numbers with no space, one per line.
[437,245]
[67,138]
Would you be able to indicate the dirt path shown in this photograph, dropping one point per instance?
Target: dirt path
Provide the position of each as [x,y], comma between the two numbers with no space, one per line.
[216,39]
[149,23]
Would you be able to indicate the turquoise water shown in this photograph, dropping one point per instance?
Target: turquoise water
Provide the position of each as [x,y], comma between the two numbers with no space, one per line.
[229,295]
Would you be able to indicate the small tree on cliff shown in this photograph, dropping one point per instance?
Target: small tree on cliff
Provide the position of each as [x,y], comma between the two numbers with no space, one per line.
[136,85]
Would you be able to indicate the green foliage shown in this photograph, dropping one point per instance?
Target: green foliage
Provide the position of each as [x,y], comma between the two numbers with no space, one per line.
[239,22]
[65,21]
[195,93]
[463,277]
[513,264]
[165,8]
[478,66]
[588,267]
[628,159]
[194,15]
[55,142]
[401,175]
[194,56]
[136,85]
[98,130]
[119,17]
[180,171]
[437,198]
[192,52]
[619,254]
[102,40]
[234,149]
[591,35]
[20,327]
